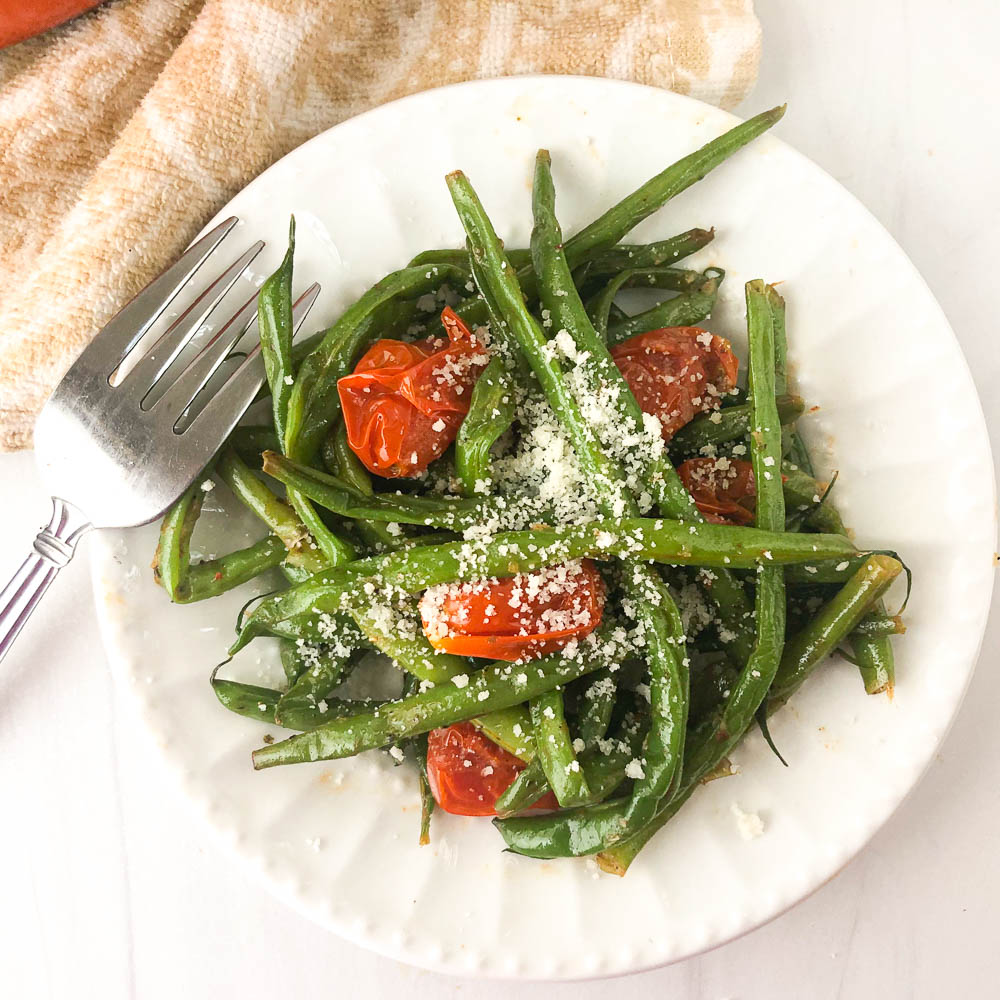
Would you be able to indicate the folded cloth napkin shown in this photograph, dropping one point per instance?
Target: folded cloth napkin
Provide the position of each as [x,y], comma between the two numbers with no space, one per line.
[124,131]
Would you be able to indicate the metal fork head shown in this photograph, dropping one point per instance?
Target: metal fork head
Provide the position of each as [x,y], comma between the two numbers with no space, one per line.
[109,451]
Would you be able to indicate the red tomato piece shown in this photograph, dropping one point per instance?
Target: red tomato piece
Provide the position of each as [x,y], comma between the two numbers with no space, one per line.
[676,373]
[468,772]
[404,402]
[723,488]
[521,616]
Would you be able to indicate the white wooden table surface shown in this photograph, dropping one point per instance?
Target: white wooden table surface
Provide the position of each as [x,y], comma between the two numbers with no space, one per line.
[111,890]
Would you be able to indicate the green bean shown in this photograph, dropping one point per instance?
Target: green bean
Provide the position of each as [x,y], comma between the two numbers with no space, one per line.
[300,349]
[314,402]
[328,459]
[215,576]
[603,771]
[765,423]
[350,470]
[524,791]
[335,548]
[606,382]
[409,651]
[248,700]
[511,729]
[806,496]
[250,440]
[336,495]
[797,451]
[460,258]
[554,748]
[570,833]
[274,311]
[873,653]
[731,423]
[648,601]
[839,617]
[686,309]
[617,859]
[670,278]
[599,698]
[292,661]
[611,227]
[750,689]
[603,264]
[519,330]
[756,676]
[836,570]
[348,466]
[651,603]
[799,455]
[499,685]
[780,337]
[711,682]
[611,261]
[306,696]
[186,583]
[274,321]
[275,513]
[874,657]
[604,766]
[491,412]
[508,553]
[325,667]
[801,655]
[427,803]
[523,337]
[603,233]
[597,828]
[255,702]
[608,229]
[173,552]
[879,624]
[657,612]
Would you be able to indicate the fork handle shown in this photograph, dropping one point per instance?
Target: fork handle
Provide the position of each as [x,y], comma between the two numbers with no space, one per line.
[53,549]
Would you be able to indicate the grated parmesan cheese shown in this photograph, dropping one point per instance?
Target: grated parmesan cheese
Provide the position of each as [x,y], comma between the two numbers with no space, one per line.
[749,824]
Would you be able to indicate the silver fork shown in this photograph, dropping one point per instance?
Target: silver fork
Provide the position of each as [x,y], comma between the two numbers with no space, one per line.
[112,453]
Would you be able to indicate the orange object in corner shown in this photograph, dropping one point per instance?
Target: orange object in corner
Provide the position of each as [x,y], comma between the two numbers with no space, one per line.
[20,19]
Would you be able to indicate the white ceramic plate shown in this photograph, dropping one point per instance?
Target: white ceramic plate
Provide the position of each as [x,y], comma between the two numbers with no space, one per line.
[899,418]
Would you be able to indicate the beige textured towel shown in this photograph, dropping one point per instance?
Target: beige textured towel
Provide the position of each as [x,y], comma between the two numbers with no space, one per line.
[124,131]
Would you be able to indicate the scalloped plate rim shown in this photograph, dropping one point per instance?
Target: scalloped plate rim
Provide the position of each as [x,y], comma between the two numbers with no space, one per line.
[124,664]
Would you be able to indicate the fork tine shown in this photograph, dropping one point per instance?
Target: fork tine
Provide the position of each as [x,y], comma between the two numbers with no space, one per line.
[130,324]
[147,372]
[195,377]
[303,304]
[223,412]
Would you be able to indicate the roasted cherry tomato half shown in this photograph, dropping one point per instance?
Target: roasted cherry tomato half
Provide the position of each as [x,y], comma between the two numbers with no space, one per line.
[723,488]
[677,373]
[468,772]
[516,617]
[404,402]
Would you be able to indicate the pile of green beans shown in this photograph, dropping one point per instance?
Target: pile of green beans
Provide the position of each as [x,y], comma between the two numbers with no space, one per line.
[621,726]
